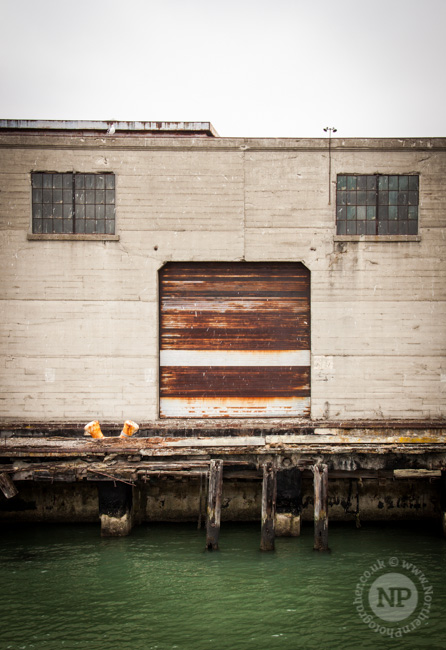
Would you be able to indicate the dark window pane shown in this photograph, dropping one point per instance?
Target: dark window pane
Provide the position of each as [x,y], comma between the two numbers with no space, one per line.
[47,180]
[383,198]
[393,227]
[89,181]
[47,210]
[90,226]
[413,198]
[402,198]
[57,226]
[110,211]
[393,198]
[57,210]
[383,213]
[47,226]
[68,226]
[341,184]
[100,226]
[79,181]
[413,182]
[382,227]
[67,181]
[100,196]
[342,227]
[371,198]
[403,212]
[412,228]
[57,181]
[393,182]
[47,196]
[341,212]
[79,197]
[371,182]
[371,212]
[110,227]
[361,212]
[100,182]
[371,227]
[351,213]
[89,196]
[351,227]
[37,226]
[89,212]
[403,227]
[351,182]
[67,211]
[80,226]
[403,183]
[110,196]
[37,196]
[341,198]
[393,212]
[36,180]
[37,211]
[100,212]
[360,227]
[57,196]
[110,181]
[80,211]
[361,198]
[67,196]
[413,212]
[361,182]
[351,198]
[383,183]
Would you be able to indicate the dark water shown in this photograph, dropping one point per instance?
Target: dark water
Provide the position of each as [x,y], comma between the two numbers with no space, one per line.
[65,587]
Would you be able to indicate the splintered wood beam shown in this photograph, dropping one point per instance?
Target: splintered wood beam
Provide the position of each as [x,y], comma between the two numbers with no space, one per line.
[7,486]
[269,491]
[214,504]
[320,473]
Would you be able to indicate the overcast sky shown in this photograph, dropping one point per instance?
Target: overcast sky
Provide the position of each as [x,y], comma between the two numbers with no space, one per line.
[251,67]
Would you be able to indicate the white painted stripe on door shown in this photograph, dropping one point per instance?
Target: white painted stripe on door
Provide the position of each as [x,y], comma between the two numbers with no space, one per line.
[220,407]
[235,358]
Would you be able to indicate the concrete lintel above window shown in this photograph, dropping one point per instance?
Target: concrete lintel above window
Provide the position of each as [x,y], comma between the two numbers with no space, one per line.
[71,237]
[378,238]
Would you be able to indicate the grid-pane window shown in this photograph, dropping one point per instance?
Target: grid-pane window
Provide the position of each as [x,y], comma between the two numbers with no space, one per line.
[73,203]
[377,204]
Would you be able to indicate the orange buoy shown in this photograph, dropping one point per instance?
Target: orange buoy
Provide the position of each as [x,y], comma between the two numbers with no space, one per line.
[93,429]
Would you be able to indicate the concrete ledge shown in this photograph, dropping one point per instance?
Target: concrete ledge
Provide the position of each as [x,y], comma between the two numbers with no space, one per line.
[377,238]
[67,237]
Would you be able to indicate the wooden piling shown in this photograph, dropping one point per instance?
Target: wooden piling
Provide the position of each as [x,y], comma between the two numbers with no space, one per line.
[320,473]
[7,486]
[269,492]
[214,504]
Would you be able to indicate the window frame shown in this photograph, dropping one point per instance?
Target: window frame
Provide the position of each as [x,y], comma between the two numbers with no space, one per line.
[400,203]
[68,187]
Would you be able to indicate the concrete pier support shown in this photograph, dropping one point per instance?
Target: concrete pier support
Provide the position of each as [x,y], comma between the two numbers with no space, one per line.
[214,504]
[288,502]
[269,492]
[320,507]
[115,508]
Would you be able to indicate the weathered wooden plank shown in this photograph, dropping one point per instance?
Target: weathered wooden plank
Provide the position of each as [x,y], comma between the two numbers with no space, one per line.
[269,492]
[214,504]
[320,507]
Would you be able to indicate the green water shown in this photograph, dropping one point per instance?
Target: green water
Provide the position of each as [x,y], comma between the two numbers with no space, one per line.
[65,587]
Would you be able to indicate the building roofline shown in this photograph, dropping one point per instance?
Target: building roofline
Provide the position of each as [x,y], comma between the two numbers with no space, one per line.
[112,126]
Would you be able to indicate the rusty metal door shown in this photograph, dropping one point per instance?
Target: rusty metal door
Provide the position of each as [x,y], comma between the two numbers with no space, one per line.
[234,340]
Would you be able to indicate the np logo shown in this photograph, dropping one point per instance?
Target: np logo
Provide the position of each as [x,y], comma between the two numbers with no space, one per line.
[393,597]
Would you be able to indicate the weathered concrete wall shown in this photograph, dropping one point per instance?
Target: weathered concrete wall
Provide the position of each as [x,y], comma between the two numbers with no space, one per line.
[79,323]
[168,499]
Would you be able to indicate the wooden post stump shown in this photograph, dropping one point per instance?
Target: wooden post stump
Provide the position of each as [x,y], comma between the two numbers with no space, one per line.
[214,504]
[115,508]
[320,507]
[443,501]
[7,486]
[269,491]
[288,502]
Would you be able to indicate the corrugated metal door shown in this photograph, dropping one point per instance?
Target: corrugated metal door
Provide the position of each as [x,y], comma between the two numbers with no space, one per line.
[235,340]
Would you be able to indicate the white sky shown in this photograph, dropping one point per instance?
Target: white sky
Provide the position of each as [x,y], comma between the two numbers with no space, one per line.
[251,67]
